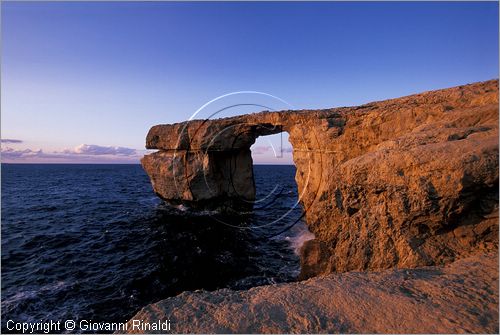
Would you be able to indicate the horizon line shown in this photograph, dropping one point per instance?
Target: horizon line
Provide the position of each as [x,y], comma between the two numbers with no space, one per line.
[49,163]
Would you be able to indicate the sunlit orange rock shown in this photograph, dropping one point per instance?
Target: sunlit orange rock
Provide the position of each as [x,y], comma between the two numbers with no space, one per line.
[404,182]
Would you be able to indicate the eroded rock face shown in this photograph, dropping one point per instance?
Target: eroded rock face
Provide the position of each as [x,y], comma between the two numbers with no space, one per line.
[205,164]
[405,182]
[459,298]
[205,180]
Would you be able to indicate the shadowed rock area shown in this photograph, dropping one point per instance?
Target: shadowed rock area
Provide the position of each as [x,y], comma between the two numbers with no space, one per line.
[459,298]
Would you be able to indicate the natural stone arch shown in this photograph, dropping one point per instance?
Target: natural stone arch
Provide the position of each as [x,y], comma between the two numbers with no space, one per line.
[404,182]
[207,164]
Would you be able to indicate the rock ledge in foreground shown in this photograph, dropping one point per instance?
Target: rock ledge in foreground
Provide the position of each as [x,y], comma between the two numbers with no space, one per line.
[460,297]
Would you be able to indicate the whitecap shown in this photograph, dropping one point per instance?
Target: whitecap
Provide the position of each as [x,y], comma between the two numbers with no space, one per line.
[299,235]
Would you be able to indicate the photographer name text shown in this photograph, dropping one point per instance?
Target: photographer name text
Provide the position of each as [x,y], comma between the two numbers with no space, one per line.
[50,326]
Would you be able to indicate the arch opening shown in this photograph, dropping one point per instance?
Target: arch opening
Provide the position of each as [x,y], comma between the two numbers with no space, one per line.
[277,203]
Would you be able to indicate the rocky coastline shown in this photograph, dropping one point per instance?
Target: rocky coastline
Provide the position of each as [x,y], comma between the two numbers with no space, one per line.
[401,195]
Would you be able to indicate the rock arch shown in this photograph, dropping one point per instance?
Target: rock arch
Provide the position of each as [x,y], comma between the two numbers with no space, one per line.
[404,182]
[207,164]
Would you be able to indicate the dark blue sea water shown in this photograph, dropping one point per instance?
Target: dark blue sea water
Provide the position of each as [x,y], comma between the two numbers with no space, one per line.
[93,242]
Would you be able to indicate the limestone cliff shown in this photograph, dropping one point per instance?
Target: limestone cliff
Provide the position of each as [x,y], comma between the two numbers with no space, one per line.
[404,182]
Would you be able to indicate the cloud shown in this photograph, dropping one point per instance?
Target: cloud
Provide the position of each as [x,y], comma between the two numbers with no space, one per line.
[10,153]
[93,149]
[260,150]
[9,140]
[83,153]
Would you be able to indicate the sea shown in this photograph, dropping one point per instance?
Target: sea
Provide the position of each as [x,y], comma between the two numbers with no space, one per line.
[93,242]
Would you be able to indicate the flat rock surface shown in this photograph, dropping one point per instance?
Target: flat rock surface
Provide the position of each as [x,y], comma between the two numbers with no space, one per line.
[461,297]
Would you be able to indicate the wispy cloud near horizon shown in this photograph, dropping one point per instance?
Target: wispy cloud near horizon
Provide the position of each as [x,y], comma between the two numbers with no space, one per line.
[10,141]
[93,149]
[261,150]
[84,153]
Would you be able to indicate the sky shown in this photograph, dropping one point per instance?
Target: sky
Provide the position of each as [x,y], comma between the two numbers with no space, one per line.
[84,82]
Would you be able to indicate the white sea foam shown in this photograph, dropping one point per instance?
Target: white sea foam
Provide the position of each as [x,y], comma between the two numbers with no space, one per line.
[298,235]
[182,208]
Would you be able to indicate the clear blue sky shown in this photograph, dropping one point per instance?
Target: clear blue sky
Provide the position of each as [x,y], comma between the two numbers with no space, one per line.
[103,73]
